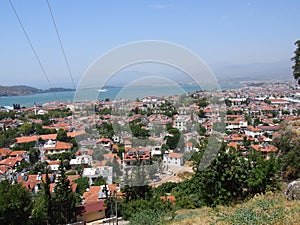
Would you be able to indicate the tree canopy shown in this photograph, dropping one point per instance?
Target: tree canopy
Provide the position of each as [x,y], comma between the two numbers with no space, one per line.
[296,60]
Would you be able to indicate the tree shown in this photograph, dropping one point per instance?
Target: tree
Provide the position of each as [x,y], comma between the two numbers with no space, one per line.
[173,138]
[34,155]
[15,204]
[296,60]
[42,209]
[230,178]
[288,143]
[62,135]
[26,129]
[63,199]
[83,184]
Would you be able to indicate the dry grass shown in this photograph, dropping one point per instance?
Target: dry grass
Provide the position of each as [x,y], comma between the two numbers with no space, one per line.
[262,209]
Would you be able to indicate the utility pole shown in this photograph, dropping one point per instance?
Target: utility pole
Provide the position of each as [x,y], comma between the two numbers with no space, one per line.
[111,210]
[116,195]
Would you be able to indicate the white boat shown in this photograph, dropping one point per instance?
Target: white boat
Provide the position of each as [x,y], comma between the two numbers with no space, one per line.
[102,90]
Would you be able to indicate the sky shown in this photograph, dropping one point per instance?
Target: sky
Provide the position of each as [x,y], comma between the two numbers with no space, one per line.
[235,38]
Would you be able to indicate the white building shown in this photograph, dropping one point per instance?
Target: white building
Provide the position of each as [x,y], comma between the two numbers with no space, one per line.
[173,159]
[83,160]
[105,171]
[181,122]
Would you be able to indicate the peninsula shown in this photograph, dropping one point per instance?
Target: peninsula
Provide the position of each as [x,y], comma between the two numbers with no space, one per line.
[27,90]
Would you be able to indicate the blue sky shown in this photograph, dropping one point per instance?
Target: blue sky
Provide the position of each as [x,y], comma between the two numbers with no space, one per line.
[232,37]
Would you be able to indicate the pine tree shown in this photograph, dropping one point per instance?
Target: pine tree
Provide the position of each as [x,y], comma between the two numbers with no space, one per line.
[296,59]
[63,199]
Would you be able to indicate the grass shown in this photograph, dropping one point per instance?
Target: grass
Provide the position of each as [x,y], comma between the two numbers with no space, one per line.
[261,210]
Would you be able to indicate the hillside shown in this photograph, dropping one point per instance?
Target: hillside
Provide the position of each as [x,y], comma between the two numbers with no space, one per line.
[25,90]
[262,209]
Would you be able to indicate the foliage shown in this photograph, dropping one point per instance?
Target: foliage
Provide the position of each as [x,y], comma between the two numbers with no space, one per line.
[26,129]
[228,102]
[62,136]
[265,209]
[296,60]
[38,167]
[42,210]
[59,113]
[288,143]
[7,137]
[25,146]
[137,130]
[202,102]
[63,199]
[99,181]
[230,178]
[201,114]
[260,210]
[23,165]
[106,130]
[61,156]
[83,184]
[164,188]
[173,138]
[15,204]
[7,115]
[34,154]
[138,209]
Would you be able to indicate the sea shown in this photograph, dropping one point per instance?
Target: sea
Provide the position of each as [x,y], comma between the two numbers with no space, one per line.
[112,93]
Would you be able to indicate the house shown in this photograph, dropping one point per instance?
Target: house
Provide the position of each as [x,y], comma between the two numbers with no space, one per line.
[4,153]
[253,131]
[34,182]
[81,160]
[19,153]
[12,163]
[131,157]
[90,212]
[173,159]
[92,173]
[104,142]
[181,122]
[264,148]
[53,165]
[97,193]
[52,147]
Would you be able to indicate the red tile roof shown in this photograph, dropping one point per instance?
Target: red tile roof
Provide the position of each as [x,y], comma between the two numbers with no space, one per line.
[175,155]
[5,152]
[17,153]
[90,207]
[60,146]
[27,139]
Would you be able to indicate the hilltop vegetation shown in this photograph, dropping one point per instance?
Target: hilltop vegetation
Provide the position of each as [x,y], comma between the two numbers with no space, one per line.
[26,90]
[262,209]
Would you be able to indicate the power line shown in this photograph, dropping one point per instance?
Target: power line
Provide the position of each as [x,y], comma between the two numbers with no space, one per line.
[33,49]
[61,45]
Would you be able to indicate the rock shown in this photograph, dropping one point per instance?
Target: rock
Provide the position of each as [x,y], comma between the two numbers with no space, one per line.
[293,191]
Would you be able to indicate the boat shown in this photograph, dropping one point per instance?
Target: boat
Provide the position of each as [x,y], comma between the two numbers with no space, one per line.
[102,90]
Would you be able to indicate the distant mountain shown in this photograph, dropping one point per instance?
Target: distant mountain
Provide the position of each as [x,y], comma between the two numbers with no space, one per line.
[26,90]
[255,71]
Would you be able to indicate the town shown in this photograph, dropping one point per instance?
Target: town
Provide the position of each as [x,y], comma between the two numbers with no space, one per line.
[149,142]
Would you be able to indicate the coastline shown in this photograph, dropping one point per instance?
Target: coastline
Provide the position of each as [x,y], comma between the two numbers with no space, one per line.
[111,93]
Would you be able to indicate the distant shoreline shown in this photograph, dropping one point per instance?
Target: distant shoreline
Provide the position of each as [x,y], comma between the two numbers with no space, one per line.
[23,90]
